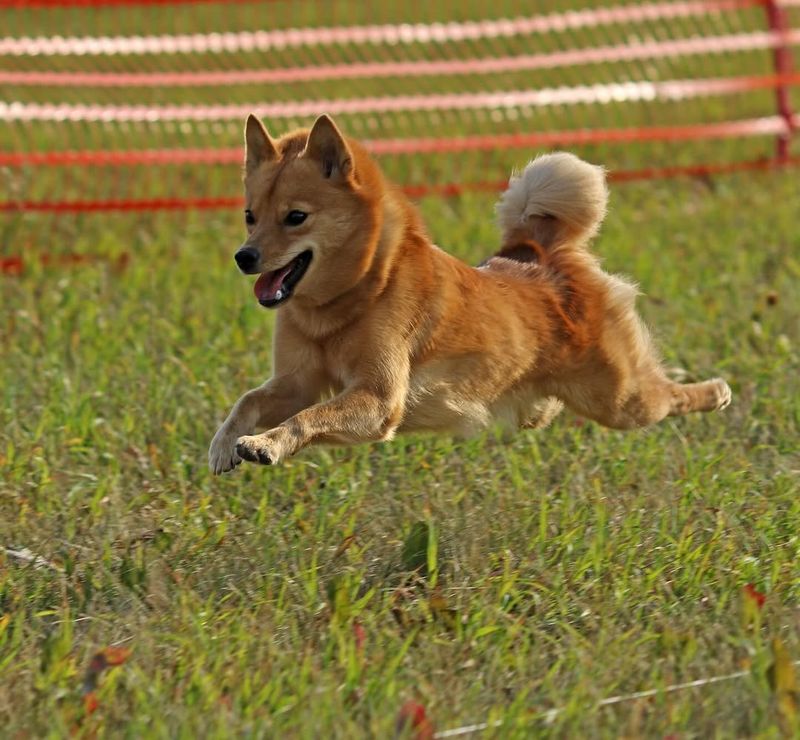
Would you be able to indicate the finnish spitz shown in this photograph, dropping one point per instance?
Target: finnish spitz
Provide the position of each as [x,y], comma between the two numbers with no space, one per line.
[378,331]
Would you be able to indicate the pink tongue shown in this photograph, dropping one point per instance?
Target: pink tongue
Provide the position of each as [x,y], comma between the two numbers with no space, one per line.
[269,283]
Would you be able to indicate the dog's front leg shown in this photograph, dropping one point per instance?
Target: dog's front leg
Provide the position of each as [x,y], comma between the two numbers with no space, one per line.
[265,407]
[358,414]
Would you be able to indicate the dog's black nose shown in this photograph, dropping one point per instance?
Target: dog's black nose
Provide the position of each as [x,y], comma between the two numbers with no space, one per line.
[246,258]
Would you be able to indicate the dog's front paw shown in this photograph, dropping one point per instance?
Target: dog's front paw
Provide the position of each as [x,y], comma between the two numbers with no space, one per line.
[222,455]
[258,448]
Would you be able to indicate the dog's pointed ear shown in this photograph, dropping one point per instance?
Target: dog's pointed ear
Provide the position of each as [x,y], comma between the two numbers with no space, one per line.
[259,147]
[327,146]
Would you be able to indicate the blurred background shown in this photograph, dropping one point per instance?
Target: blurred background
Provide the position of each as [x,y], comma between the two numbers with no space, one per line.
[136,106]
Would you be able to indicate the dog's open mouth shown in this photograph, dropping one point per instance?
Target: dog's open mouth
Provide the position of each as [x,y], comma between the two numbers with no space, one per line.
[273,288]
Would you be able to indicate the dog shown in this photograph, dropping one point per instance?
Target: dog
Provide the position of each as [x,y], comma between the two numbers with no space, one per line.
[378,331]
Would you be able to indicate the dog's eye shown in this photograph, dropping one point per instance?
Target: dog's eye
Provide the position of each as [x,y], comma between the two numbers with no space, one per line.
[249,218]
[295,218]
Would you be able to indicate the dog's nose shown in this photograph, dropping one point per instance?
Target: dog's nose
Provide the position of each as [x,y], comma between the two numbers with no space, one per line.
[246,258]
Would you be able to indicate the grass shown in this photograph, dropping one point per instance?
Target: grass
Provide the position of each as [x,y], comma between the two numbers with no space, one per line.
[490,580]
[563,566]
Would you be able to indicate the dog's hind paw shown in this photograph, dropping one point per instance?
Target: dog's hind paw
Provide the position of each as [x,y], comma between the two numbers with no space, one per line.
[722,394]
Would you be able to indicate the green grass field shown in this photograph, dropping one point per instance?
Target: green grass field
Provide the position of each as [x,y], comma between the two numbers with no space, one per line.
[491,580]
[564,566]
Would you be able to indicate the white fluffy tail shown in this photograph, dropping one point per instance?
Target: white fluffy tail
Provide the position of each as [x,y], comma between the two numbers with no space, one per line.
[557,199]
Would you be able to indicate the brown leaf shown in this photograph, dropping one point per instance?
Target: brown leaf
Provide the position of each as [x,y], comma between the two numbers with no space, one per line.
[441,609]
[412,716]
[349,540]
[359,635]
[90,702]
[783,680]
[752,603]
[751,593]
[102,659]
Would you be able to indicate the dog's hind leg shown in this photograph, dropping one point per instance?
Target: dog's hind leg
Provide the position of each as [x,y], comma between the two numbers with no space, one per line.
[623,384]
[641,400]
[655,400]
[710,395]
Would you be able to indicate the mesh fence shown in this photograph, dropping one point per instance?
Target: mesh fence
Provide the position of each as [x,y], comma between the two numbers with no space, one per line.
[113,105]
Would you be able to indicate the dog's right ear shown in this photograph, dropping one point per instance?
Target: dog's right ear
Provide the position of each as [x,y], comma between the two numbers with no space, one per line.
[259,147]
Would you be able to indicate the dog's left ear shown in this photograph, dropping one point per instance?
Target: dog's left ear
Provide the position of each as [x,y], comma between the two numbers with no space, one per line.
[327,146]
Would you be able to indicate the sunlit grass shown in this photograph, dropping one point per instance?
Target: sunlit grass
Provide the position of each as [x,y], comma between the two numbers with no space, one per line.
[563,566]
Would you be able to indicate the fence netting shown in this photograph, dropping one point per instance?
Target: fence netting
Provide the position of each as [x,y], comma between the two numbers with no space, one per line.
[112,105]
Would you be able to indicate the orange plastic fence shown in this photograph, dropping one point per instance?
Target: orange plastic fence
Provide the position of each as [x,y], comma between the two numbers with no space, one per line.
[123,105]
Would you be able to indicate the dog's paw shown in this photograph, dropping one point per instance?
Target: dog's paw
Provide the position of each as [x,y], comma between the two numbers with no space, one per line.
[258,448]
[722,394]
[222,455]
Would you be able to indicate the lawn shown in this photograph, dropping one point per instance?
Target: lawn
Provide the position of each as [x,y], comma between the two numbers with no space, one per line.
[515,581]
[561,566]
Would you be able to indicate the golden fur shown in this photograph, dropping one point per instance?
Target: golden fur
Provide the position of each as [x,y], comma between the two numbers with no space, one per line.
[386,333]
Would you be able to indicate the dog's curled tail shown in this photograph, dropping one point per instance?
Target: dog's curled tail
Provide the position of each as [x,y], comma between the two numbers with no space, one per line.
[556,200]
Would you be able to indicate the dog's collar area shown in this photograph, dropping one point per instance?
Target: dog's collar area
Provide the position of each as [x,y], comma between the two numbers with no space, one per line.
[273,288]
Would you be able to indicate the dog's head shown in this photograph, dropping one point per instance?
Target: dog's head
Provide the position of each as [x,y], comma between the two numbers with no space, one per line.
[311,213]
